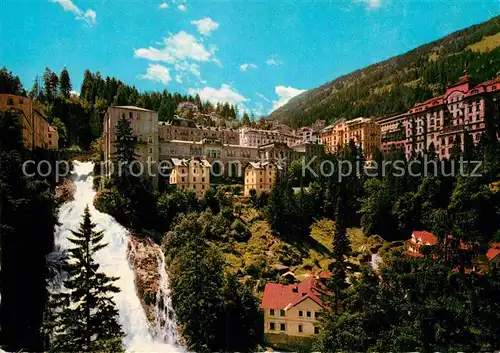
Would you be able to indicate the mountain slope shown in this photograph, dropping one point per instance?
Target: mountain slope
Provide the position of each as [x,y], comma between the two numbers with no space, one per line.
[396,84]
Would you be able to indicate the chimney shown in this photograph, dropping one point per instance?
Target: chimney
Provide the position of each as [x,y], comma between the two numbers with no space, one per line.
[295,289]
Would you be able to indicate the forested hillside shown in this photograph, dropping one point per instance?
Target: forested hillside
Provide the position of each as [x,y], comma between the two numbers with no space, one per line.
[396,84]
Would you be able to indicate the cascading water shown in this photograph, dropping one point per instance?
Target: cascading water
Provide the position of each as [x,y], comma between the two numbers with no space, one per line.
[140,336]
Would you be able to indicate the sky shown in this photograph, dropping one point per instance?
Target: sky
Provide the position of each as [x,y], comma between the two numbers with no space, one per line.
[254,54]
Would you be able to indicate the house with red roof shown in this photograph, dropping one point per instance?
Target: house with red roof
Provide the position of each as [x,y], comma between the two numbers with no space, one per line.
[417,240]
[293,310]
[493,256]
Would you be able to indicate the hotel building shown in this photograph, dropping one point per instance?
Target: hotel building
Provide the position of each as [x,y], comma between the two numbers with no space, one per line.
[36,130]
[444,120]
[365,132]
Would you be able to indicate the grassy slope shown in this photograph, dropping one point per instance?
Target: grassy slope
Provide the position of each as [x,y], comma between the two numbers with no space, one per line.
[254,258]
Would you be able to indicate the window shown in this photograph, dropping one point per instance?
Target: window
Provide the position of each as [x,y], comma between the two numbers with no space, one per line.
[308,314]
[182,179]
[261,180]
[10,101]
[282,327]
[299,328]
[202,180]
[272,326]
[317,314]
[316,330]
[301,313]
[130,115]
[194,180]
[271,312]
[50,136]
[282,312]
[21,101]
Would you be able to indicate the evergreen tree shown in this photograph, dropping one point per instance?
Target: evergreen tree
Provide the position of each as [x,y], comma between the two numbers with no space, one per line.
[88,321]
[125,142]
[65,83]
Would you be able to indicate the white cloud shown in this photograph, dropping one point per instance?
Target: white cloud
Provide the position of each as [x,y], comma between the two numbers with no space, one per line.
[157,73]
[178,78]
[246,66]
[222,95]
[163,5]
[182,7]
[88,16]
[284,95]
[371,4]
[205,25]
[273,60]
[180,46]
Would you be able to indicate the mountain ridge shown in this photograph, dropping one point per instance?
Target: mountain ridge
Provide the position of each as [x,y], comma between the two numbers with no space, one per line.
[397,83]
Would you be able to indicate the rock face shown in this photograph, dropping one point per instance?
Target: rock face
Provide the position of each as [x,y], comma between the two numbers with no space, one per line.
[65,191]
[143,256]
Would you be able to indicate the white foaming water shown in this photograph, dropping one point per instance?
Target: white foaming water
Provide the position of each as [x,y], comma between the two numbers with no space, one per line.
[140,336]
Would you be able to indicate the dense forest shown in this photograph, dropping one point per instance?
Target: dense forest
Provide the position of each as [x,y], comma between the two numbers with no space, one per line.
[396,84]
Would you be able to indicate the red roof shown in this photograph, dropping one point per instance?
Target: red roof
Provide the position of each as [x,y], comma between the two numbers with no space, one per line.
[492,253]
[279,296]
[424,237]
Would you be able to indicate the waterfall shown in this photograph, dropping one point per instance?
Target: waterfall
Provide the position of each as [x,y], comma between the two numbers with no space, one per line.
[140,336]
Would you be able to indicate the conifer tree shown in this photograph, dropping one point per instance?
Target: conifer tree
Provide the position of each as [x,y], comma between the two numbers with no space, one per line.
[125,142]
[65,83]
[88,321]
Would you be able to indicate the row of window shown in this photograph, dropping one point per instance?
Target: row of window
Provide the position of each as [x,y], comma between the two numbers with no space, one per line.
[283,327]
[301,313]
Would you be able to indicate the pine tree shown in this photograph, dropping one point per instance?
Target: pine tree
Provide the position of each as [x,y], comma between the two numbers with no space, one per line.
[125,142]
[65,83]
[88,321]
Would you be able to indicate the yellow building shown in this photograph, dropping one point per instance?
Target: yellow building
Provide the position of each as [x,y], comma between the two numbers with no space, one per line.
[191,175]
[365,132]
[259,176]
[35,127]
[292,311]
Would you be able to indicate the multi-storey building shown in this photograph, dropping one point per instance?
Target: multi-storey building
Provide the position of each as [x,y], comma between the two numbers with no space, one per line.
[444,120]
[292,311]
[144,125]
[365,132]
[191,175]
[308,134]
[251,137]
[259,176]
[168,132]
[36,130]
[392,132]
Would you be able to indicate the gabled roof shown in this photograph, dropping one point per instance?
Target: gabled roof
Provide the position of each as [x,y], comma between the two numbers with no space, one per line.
[424,237]
[132,107]
[186,162]
[279,296]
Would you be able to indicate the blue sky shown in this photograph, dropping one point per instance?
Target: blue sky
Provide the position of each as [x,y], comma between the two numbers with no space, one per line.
[256,54]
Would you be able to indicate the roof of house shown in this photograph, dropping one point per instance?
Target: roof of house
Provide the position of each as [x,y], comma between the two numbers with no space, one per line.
[186,162]
[279,296]
[260,165]
[132,107]
[424,237]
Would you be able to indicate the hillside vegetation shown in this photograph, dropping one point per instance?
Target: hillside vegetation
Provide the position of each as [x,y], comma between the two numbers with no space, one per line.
[396,84]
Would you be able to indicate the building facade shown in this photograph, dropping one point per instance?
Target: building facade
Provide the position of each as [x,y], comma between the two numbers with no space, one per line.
[144,125]
[191,175]
[168,132]
[392,132]
[464,109]
[36,130]
[259,176]
[365,132]
[250,137]
[293,310]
